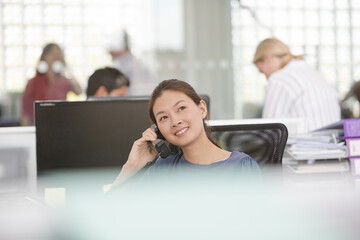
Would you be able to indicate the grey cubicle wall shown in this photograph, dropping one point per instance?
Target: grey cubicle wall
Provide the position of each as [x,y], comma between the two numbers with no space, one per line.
[17,159]
[88,134]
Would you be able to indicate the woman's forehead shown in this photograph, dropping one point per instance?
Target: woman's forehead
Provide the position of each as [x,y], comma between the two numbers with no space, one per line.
[170,97]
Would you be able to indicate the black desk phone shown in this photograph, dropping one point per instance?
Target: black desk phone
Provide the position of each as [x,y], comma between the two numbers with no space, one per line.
[161,145]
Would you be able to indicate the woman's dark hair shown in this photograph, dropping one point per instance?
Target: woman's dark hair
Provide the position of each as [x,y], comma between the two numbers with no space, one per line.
[179,86]
[47,49]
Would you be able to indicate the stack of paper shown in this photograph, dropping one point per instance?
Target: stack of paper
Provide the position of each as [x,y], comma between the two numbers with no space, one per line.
[316,146]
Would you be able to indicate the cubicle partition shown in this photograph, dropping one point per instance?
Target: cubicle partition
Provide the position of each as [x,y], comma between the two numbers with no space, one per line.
[17,159]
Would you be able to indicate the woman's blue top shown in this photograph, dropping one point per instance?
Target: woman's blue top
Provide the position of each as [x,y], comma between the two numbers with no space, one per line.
[238,163]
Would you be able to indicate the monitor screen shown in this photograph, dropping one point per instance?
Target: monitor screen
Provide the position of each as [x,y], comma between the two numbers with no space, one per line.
[86,134]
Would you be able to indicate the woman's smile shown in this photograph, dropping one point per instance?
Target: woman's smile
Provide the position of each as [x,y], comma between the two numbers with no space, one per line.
[181,132]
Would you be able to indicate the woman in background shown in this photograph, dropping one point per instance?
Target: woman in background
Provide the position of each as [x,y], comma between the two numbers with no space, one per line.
[49,82]
[294,89]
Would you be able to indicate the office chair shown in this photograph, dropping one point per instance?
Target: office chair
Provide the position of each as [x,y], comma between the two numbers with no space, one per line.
[265,143]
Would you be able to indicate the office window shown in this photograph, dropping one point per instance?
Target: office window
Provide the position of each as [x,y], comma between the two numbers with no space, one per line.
[327,32]
[81,27]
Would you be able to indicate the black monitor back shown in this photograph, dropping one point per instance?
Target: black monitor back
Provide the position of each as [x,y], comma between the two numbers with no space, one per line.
[88,133]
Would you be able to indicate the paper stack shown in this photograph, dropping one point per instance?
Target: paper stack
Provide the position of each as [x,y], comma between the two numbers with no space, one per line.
[318,145]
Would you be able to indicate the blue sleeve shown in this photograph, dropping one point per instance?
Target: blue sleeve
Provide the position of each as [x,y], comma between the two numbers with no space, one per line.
[249,163]
[244,164]
[251,170]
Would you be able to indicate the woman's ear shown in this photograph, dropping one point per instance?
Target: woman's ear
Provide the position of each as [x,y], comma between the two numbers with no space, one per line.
[203,108]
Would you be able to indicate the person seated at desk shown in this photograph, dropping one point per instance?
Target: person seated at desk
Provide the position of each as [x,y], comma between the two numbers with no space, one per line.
[354,92]
[49,83]
[179,114]
[107,81]
[294,89]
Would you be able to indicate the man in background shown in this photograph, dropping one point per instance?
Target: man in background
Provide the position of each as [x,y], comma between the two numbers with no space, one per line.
[142,81]
[347,103]
[107,81]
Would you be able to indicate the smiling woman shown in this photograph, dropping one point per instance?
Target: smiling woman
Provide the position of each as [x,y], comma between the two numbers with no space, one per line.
[179,113]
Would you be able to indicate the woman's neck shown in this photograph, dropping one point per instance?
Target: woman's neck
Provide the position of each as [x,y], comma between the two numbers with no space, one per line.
[203,151]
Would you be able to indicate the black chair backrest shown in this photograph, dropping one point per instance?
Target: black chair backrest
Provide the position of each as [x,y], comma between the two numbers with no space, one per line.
[265,143]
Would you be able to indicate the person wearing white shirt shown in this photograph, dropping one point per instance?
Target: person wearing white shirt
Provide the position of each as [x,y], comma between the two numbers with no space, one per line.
[294,89]
[142,81]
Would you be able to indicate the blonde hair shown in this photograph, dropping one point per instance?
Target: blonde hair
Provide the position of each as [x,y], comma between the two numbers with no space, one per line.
[274,46]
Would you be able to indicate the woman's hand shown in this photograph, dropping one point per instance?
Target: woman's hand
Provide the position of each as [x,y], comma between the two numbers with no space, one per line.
[142,150]
[141,153]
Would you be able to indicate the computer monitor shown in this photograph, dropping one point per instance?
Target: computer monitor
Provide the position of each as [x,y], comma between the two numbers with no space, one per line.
[87,134]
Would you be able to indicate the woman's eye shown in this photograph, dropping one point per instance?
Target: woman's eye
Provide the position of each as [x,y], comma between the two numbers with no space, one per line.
[163,118]
[181,108]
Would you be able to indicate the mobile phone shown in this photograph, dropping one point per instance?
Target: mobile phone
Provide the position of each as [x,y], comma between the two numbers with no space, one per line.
[161,145]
